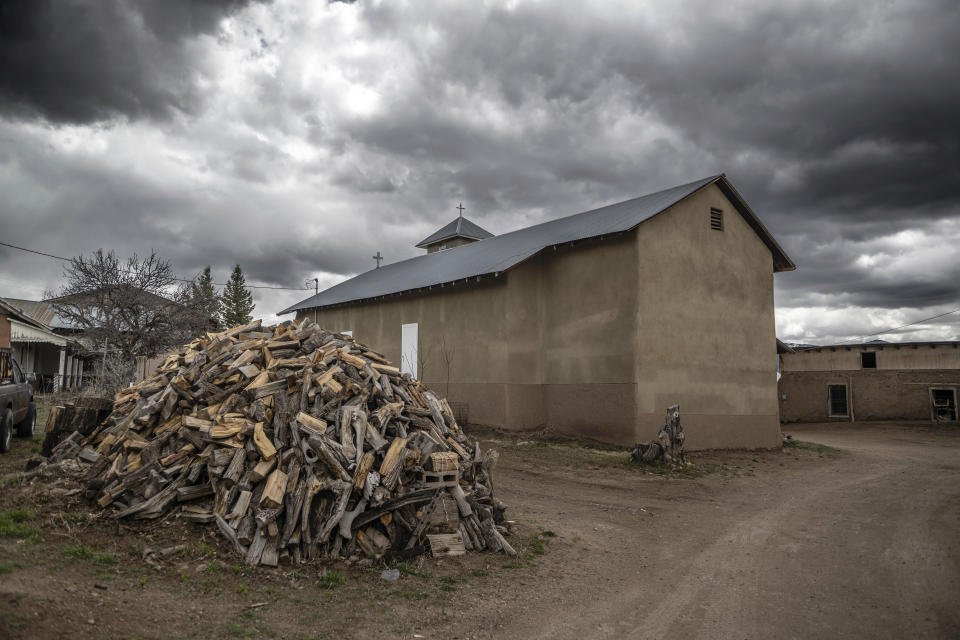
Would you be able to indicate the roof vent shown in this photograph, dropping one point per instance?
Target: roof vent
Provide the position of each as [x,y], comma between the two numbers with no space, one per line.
[716,219]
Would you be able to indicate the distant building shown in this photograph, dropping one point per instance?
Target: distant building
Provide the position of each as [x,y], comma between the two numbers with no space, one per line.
[872,381]
[590,325]
[54,358]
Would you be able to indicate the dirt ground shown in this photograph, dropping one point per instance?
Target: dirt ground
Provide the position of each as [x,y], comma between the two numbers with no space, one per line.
[853,532]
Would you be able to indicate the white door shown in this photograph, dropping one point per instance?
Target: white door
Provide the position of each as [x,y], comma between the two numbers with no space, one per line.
[408,349]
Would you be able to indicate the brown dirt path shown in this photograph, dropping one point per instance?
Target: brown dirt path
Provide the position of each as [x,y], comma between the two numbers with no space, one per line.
[865,544]
[861,541]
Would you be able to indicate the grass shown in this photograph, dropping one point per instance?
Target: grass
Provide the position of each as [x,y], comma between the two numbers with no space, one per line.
[407,569]
[580,455]
[570,454]
[664,468]
[81,552]
[241,630]
[331,579]
[537,545]
[8,567]
[13,620]
[71,517]
[814,447]
[15,524]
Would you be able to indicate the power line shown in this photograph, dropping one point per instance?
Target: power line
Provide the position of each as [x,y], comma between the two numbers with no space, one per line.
[903,326]
[219,284]
[39,253]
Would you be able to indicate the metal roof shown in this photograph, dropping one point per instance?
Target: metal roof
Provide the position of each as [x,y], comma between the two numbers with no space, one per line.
[12,306]
[42,311]
[459,227]
[498,253]
[23,332]
[883,344]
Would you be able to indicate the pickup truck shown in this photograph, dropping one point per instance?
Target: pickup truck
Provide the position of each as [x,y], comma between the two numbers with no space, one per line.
[17,410]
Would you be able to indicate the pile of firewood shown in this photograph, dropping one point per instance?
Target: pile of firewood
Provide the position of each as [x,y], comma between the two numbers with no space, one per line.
[297,443]
[82,415]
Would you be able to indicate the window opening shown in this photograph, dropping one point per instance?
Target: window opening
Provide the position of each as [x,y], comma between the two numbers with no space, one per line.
[838,400]
[944,405]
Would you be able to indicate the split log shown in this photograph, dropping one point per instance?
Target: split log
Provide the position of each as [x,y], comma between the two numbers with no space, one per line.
[273,491]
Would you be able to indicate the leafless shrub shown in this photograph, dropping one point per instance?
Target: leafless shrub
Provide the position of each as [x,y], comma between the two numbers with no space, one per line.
[132,306]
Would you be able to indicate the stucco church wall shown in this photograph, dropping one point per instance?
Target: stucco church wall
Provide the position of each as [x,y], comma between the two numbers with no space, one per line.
[572,322]
[705,330]
[549,342]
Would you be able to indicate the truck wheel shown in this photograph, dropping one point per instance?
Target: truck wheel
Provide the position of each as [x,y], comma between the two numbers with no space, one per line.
[29,422]
[6,431]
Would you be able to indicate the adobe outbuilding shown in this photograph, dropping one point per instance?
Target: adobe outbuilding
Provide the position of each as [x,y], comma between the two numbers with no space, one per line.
[873,381]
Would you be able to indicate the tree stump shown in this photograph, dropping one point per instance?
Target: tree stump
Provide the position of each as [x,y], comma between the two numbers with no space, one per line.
[669,443]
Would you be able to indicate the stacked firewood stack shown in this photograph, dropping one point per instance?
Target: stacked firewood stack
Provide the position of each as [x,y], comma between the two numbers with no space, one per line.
[296,443]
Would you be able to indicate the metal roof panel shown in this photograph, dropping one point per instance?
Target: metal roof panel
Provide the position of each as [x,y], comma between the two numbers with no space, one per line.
[458,227]
[499,253]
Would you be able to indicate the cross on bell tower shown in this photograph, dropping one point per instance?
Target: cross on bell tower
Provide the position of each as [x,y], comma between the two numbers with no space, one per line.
[378,258]
[461,208]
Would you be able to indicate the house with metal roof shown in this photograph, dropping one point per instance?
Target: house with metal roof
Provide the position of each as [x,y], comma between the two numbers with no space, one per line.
[37,346]
[589,324]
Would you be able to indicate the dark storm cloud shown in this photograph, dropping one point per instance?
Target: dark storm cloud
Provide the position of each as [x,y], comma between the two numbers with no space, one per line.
[883,271]
[308,136]
[855,102]
[90,60]
[835,121]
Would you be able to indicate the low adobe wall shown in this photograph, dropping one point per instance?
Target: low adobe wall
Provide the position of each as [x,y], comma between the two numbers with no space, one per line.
[871,394]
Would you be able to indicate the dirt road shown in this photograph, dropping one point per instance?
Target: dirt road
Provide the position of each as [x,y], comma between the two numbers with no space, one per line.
[865,544]
[858,538]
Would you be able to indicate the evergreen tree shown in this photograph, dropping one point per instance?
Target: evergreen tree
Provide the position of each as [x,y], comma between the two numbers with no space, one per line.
[237,300]
[205,299]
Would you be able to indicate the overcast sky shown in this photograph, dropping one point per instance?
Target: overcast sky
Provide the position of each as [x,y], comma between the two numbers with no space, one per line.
[298,138]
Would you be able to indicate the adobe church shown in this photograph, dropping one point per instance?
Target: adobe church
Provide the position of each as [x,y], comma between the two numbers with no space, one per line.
[590,325]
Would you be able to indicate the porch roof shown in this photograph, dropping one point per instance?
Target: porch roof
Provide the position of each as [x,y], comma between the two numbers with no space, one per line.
[23,332]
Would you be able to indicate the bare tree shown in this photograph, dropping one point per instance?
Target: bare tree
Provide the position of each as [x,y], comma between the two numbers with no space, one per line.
[424,355]
[114,373]
[446,352]
[132,305]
